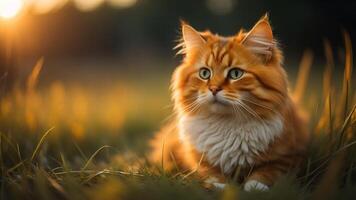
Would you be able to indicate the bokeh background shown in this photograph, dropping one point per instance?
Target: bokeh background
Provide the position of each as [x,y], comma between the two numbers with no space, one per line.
[74,29]
[113,34]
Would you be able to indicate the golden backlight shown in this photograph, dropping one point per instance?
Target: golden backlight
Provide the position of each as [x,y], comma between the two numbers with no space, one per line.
[10,8]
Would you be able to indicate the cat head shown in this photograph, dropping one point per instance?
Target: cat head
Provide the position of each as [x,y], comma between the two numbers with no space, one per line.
[239,75]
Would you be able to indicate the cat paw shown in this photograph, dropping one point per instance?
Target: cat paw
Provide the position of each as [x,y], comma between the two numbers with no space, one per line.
[255,185]
[213,181]
[220,186]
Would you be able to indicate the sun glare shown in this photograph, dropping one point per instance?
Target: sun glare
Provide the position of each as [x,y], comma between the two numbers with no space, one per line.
[122,3]
[10,8]
[46,6]
[88,5]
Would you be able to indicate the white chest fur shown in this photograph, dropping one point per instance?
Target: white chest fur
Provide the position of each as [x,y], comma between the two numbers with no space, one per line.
[226,142]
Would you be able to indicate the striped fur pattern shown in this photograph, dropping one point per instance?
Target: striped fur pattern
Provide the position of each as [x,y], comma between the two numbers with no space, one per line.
[223,122]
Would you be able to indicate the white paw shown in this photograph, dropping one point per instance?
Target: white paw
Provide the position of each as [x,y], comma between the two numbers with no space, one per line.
[255,185]
[214,181]
[219,185]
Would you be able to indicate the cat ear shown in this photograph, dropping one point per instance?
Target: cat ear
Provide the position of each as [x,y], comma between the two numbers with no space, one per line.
[191,39]
[260,40]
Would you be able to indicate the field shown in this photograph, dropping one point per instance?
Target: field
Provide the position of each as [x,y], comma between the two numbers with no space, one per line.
[63,140]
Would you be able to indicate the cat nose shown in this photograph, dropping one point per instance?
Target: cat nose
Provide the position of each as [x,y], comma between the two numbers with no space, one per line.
[215,89]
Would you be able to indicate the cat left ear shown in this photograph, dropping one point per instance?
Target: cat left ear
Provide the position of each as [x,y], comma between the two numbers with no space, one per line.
[191,38]
[260,40]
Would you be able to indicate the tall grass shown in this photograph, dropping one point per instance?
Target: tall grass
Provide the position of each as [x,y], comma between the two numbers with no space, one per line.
[58,142]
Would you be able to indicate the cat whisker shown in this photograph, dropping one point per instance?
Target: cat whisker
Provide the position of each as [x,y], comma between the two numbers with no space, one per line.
[250,111]
[242,106]
[192,107]
[233,97]
[240,113]
[237,111]
[257,104]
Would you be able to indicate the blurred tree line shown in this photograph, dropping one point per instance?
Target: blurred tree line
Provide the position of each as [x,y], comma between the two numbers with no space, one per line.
[151,26]
[155,23]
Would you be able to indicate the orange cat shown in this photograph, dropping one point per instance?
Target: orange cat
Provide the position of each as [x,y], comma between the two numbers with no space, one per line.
[234,116]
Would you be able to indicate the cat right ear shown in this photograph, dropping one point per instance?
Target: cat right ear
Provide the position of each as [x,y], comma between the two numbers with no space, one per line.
[260,39]
[191,39]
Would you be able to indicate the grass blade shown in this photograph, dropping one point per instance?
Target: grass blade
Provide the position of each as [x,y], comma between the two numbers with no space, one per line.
[35,152]
[93,156]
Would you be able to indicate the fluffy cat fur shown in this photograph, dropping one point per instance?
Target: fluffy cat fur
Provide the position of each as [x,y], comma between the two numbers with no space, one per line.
[247,128]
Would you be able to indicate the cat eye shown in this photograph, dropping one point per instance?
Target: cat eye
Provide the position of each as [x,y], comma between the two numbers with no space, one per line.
[204,73]
[235,73]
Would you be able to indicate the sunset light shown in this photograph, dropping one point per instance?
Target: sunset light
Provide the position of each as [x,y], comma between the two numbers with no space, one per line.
[10,8]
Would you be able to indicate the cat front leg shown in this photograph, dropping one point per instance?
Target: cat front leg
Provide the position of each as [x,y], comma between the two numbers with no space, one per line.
[264,176]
